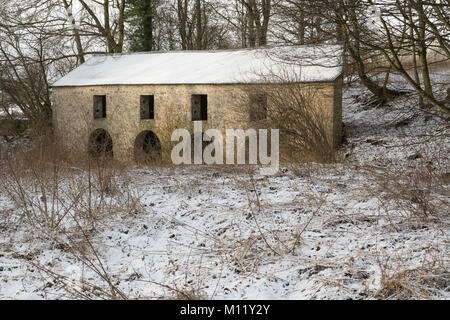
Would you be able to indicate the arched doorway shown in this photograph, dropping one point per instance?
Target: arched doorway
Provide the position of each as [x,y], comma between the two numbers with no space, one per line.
[147,148]
[100,144]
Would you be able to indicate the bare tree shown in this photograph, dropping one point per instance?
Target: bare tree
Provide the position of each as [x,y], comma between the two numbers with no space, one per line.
[76,33]
[411,29]
[39,42]
[380,38]
[111,26]
[25,55]
[258,15]
[198,27]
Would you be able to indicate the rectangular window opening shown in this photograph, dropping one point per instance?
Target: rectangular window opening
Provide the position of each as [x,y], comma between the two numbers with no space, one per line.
[199,107]
[99,107]
[258,107]
[147,107]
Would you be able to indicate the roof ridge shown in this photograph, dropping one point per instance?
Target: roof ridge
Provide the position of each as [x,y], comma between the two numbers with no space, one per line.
[267,47]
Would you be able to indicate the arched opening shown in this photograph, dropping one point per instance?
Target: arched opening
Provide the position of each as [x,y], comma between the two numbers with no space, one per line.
[100,144]
[147,148]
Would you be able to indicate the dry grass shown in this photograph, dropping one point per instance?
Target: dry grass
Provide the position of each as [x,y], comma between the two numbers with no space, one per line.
[400,282]
[63,200]
[39,172]
[49,188]
[413,196]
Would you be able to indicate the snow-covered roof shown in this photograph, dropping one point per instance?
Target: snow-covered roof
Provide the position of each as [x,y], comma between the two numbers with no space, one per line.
[299,63]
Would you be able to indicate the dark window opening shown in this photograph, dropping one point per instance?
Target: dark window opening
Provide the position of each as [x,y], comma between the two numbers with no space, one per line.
[258,107]
[99,107]
[147,107]
[199,107]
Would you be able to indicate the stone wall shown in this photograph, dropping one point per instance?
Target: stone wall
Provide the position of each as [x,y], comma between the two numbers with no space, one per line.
[227,108]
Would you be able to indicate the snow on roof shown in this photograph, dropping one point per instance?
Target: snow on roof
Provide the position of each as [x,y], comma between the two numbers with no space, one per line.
[303,63]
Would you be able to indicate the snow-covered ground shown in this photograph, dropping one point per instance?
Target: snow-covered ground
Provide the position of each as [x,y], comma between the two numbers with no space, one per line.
[310,232]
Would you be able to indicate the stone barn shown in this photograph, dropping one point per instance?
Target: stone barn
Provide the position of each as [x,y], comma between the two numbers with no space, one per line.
[129,104]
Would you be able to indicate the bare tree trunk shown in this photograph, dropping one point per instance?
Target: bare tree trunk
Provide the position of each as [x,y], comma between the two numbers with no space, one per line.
[382,94]
[80,52]
[266,11]
[301,26]
[199,29]
[258,17]
[109,41]
[414,53]
[423,51]
[251,28]
[121,26]
[182,9]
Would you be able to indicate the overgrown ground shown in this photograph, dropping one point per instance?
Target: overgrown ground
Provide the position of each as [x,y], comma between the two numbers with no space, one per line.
[373,226]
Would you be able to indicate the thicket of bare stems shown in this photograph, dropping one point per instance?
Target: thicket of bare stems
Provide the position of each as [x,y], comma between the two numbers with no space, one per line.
[296,109]
[416,196]
[412,196]
[63,200]
[50,188]
[301,120]
[173,119]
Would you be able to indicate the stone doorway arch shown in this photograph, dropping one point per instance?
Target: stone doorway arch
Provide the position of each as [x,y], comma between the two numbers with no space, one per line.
[100,144]
[147,148]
